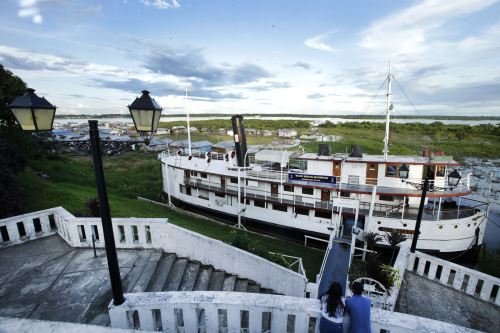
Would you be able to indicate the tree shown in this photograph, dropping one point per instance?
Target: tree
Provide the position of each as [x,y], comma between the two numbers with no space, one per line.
[394,238]
[371,239]
[10,194]
[11,86]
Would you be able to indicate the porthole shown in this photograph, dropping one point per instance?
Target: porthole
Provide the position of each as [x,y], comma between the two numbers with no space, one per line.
[468,225]
[379,222]
[455,226]
[474,223]
[440,227]
[405,225]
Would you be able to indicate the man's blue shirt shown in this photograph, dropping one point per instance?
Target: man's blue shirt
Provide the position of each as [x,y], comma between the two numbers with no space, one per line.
[359,308]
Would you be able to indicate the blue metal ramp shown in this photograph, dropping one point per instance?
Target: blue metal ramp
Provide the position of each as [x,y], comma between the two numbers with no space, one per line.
[336,266]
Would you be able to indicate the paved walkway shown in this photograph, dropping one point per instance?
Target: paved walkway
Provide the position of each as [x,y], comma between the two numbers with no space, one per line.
[423,297]
[47,279]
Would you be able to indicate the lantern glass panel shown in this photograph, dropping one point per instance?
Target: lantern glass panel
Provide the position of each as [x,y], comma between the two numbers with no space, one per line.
[25,118]
[156,121]
[143,119]
[44,118]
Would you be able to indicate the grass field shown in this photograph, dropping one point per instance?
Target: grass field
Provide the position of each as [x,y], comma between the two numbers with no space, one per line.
[72,182]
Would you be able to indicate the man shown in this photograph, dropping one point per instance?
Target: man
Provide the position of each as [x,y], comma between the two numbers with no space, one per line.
[359,308]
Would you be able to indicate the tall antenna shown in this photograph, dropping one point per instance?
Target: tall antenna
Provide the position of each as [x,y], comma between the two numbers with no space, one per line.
[388,114]
[187,117]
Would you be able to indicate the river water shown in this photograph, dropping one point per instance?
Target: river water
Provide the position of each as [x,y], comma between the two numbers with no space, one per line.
[335,120]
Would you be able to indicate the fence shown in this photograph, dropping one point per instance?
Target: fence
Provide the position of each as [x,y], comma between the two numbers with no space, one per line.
[469,281]
[217,311]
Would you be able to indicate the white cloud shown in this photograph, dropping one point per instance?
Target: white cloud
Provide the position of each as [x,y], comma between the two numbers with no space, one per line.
[30,8]
[408,30]
[161,4]
[318,42]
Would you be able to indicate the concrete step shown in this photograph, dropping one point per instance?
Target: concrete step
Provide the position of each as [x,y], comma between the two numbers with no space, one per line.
[161,272]
[229,283]
[203,279]
[253,287]
[147,273]
[190,275]
[241,285]
[216,281]
[266,291]
[175,275]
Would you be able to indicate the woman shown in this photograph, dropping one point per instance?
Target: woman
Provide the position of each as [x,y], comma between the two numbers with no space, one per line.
[332,310]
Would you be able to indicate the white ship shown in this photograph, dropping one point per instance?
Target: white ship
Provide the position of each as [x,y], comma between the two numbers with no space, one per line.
[323,193]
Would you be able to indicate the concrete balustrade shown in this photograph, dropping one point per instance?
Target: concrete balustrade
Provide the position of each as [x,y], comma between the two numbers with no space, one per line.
[461,278]
[157,233]
[19,229]
[218,311]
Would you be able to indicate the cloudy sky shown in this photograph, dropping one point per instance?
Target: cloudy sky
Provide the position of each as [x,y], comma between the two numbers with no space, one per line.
[261,56]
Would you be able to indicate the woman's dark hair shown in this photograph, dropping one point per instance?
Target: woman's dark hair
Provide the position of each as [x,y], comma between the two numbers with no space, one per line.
[334,298]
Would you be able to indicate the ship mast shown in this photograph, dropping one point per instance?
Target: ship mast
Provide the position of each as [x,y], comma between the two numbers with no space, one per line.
[188,125]
[388,116]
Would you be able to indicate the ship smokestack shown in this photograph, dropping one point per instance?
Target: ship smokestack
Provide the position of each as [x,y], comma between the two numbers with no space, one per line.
[356,151]
[240,141]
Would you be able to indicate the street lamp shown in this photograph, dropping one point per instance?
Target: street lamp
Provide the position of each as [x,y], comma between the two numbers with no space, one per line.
[33,113]
[145,112]
[453,180]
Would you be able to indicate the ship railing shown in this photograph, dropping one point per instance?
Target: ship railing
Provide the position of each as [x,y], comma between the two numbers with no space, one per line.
[222,311]
[474,283]
[379,209]
[268,174]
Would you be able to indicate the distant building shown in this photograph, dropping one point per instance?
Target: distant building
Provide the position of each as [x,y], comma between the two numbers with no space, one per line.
[159,144]
[178,130]
[266,133]
[193,129]
[223,147]
[287,133]
[163,131]
[221,131]
[200,146]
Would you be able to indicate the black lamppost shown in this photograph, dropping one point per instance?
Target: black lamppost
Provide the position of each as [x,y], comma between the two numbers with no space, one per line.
[35,113]
[453,180]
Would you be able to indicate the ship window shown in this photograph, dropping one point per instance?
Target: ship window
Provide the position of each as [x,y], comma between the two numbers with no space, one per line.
[386,197]
[288,188]
[234,180]
[401,231]
[301,211]
[323,214]
[440,170]
[307,190]
[345,194]
[282,208]
[204,175]
[259,203]
[391,170]
[220,195]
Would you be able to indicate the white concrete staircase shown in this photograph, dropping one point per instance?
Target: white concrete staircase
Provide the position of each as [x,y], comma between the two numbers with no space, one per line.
[174,273]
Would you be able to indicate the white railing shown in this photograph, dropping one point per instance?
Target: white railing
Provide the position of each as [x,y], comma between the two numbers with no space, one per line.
[469,281]
[154,233]
[21,228]
[400,266]
[294,263]
[218,311]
